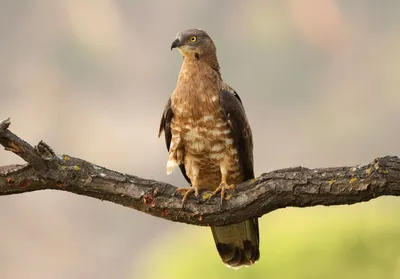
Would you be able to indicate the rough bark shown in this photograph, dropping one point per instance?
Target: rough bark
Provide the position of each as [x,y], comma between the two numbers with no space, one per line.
[291,187]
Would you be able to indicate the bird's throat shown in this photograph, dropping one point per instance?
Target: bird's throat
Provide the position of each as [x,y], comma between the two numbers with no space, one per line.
[197,90]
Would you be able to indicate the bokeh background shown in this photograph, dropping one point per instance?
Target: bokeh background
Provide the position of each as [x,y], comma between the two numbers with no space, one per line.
[319,79]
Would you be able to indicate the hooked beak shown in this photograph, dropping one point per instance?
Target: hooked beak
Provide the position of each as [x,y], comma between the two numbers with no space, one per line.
[176,43]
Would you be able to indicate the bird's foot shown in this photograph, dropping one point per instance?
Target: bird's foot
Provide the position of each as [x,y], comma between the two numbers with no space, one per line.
[186,191]
[223,186]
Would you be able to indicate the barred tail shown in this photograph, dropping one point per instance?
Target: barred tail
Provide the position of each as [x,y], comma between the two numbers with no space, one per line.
[238,244]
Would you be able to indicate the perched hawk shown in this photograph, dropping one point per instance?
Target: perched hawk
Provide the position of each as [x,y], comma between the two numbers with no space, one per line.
[209,138]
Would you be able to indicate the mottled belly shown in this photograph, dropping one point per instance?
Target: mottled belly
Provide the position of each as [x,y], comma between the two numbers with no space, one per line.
[207,146]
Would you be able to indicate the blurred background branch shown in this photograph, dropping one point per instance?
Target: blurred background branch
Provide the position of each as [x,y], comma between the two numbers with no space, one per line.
[291,187]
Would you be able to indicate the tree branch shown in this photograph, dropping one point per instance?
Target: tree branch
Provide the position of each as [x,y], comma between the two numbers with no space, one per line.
[292,187]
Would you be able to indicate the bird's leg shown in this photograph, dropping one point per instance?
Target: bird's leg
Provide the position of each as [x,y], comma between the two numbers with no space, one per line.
[223,185]
[195,188]
[187,191]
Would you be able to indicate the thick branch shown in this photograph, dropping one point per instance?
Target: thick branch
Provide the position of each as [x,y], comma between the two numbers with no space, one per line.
[292,187]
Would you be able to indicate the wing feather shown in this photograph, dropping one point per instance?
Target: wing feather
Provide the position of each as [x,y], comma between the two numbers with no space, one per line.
[234,113]
[165,126]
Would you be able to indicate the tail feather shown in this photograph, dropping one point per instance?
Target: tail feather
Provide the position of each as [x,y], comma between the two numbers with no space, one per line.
[238,244]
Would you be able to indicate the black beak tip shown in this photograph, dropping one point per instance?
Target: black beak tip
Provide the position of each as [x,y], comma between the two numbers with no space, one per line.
[175,44]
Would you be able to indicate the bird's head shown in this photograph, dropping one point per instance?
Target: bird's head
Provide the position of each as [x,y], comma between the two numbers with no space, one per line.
[194,43]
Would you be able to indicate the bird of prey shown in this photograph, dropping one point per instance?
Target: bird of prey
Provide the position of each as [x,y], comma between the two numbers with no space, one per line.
[209,138]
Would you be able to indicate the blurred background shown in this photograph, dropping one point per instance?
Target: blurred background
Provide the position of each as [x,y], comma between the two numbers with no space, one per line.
[320,82]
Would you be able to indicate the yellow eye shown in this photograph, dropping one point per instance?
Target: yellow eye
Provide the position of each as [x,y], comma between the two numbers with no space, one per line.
[193,39]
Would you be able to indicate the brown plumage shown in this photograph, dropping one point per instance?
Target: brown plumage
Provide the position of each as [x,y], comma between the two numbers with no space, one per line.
[209,138]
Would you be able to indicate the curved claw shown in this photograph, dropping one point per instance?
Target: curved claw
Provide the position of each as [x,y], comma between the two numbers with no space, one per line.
[187,193]
[221,188]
